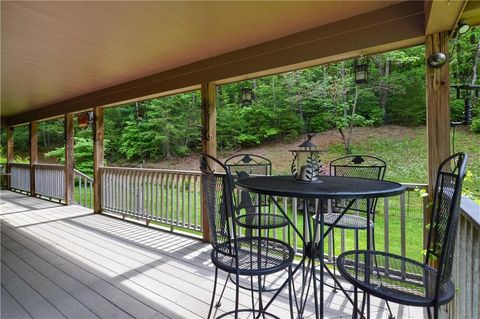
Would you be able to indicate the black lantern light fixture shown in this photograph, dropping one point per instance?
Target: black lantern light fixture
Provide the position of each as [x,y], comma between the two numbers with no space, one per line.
[140,112]
[306,164]
[84,119]
[361,72]
[247,95]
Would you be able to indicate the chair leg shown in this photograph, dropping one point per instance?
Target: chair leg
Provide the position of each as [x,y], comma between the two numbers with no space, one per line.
[237,294]
[261,311]
[334,261]
[436,312]
[213,294]
[429,313]
[252,291]
[290,295]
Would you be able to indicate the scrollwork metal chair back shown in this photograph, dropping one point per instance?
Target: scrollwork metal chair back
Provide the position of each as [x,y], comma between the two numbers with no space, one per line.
[358,166]
[216,187]
[445,216]
[250,164]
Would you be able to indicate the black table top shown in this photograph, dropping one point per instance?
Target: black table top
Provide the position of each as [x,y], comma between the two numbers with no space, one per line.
[328,187]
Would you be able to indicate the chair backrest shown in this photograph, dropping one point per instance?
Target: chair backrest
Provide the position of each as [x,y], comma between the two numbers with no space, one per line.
[243,166]
[445,215]
[359,166]
[250,164]
[217,191]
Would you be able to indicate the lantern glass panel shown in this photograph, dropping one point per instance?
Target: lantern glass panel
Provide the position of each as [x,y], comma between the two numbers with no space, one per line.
[306,165]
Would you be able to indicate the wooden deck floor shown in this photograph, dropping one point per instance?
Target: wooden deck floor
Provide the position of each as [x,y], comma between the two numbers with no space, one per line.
[65,262]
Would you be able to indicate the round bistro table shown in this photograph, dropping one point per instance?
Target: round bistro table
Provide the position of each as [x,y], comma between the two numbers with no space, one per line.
[326,188]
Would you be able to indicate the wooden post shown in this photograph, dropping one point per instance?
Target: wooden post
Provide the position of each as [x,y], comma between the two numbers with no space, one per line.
[8,169]
[438,110]
[98,157]
[209,140]
[69,159]
[33,155]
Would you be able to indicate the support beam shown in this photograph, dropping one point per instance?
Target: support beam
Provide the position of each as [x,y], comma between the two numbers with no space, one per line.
[209,139]
[9,153]
[33,155]
[98,159]
[69,159]
[438,109]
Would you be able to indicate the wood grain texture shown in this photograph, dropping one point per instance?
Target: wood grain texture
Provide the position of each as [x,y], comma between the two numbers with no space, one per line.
[69,158]
[438,110]
[209,140]
[98,158]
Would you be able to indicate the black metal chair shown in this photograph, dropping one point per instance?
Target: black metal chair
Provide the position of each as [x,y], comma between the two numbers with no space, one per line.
[253,210]
[360,166]
[405,281]
[239,256]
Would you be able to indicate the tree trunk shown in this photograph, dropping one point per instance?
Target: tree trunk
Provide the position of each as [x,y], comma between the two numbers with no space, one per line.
[475,67]
[348,149]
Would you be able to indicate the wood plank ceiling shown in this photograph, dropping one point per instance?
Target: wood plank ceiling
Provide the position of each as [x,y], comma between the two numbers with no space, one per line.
[62,56]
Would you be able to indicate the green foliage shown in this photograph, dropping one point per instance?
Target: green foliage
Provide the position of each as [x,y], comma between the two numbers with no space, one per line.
[83,150]
[475,128]
[168,127]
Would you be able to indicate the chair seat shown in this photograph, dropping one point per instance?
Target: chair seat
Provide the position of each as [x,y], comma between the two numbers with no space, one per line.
[393,278]
[261,221]
[256,256]
[348,221]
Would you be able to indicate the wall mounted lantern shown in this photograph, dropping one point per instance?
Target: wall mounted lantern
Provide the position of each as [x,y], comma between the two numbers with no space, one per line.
[437,60]
[463,27]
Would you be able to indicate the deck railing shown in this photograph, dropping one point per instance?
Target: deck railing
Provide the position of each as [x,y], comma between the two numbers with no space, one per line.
[83,189]
[50,181]
[167,197]
[466,268]
[20,177]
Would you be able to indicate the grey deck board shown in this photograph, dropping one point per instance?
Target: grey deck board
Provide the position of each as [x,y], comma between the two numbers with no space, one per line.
[85,265]
[60,298]
[32,301]
[11,308]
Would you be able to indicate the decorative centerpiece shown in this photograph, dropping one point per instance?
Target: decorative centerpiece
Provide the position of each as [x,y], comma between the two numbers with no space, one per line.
[306,164]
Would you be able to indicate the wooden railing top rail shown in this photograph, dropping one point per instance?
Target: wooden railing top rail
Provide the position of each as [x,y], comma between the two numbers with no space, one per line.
[77,172]
[471,211]
[45,165]
[151,170]
[412,186]
[409,186]
[19,164]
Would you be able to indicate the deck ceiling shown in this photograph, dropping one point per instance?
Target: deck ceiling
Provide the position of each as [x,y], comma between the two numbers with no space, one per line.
[62,56]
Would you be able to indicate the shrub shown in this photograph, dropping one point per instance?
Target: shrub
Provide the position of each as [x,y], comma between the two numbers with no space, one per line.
[475,128]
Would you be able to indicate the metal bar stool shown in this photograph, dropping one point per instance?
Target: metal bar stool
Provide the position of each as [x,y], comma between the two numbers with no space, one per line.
[253,210]
[238,256]
[405,281]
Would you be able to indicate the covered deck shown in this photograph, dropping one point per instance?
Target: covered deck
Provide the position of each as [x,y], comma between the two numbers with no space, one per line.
[64,261]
